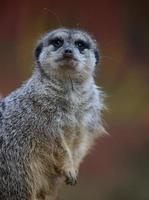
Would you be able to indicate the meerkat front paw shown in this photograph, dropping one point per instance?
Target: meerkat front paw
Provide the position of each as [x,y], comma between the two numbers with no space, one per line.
[71,177]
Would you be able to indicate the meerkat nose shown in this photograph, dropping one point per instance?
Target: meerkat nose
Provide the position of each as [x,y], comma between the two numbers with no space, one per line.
[68,53]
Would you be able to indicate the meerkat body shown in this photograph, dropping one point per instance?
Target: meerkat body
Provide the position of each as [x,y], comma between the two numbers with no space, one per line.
[48,125]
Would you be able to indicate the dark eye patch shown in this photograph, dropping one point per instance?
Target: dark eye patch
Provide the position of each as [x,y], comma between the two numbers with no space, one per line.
[38,50]
[56,42]
[81,45]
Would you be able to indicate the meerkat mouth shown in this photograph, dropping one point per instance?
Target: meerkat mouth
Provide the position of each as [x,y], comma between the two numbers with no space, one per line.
[67,61]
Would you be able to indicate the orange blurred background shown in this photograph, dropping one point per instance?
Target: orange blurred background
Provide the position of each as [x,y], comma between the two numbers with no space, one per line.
[118,166]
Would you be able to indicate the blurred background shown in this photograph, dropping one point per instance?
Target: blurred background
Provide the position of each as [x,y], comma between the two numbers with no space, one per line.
[118,166]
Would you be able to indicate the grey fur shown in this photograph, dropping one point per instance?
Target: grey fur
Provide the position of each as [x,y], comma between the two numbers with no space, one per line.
[48,125]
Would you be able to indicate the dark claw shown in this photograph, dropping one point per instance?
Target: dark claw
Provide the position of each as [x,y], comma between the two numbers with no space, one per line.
[71,180]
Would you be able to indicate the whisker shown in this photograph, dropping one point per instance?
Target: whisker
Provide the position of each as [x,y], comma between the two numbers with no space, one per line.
[55,15]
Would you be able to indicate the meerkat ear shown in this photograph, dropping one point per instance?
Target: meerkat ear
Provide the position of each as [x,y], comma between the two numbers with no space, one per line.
[96,52]
[38,50]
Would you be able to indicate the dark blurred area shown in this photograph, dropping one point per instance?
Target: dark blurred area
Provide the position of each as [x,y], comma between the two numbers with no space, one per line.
[118,166]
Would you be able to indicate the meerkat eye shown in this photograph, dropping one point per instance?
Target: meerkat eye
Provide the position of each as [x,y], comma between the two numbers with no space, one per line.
[81,45]
[56,42]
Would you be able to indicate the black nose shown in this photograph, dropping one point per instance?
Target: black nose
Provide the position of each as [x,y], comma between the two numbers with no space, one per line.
[68,52]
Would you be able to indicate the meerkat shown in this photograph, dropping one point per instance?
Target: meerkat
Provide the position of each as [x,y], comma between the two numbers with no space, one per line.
[48,124]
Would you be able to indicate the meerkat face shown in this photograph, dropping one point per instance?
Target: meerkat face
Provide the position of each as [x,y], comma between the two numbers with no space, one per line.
[67,50]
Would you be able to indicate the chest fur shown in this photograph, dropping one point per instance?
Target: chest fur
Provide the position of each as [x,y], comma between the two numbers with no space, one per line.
[70,111]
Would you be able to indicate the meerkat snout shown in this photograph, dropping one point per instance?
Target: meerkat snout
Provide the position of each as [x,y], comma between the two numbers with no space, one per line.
[68,53]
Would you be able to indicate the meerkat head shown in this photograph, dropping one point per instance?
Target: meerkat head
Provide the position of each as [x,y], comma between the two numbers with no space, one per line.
[67,51]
